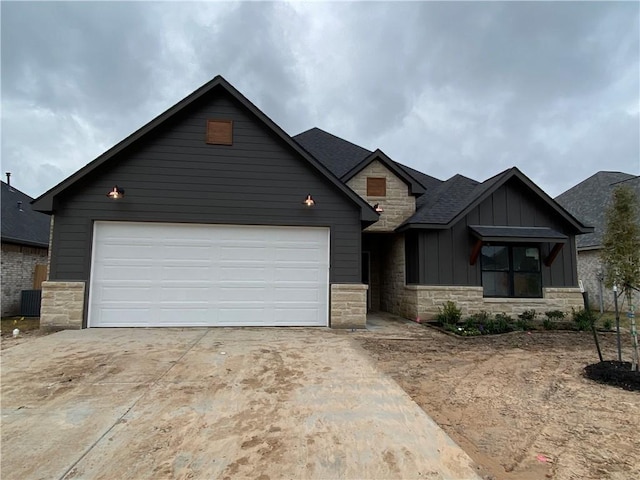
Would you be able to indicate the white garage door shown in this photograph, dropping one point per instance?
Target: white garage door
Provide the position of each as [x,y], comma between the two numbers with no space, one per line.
[159,274]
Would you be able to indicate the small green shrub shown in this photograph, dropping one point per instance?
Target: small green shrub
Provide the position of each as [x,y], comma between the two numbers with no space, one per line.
[549,324]
[528,315]
[503,323]
[449,314]
[607,324]
[525,319]
[584,319]
[555,314]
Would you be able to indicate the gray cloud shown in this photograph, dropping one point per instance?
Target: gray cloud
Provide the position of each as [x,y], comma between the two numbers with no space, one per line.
[446,87]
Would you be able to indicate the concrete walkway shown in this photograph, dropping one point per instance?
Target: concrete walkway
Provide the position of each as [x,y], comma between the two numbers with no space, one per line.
[212,403]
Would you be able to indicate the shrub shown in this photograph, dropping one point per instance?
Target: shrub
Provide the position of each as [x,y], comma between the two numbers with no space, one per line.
[607,324]
[548,324]
[525,319]
[555,314]
[503,323]
[584,319]
[449,314]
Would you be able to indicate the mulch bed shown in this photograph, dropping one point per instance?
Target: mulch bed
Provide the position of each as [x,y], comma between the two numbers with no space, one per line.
[618,374]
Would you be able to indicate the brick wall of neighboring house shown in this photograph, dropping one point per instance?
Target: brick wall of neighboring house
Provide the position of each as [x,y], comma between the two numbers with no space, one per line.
[398,204]
[589,268]
[18,267]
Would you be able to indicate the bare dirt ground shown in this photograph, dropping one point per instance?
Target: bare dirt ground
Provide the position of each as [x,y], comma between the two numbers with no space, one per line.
[518,403]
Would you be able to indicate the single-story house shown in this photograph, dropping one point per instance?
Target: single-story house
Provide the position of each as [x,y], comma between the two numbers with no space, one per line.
[589,200]
[211,214]
[25,246]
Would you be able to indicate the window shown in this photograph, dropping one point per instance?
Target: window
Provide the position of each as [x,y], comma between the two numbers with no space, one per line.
[376,187]
[220,132]
[511,271]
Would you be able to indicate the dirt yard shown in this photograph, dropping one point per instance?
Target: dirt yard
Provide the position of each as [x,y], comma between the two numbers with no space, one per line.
[518,403]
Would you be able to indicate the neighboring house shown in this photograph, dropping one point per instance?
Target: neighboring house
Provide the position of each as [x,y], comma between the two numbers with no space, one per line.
[589,200]
[25,243]
[212,215]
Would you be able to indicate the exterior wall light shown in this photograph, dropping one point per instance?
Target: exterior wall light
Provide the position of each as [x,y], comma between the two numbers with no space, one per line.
[116,193]
[309,201]
[378,208]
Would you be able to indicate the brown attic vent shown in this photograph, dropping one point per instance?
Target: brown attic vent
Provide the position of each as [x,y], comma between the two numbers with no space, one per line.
[220,132]
[376,187]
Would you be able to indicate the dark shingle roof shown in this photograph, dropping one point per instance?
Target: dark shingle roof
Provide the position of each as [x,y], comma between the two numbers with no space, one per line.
[590,199]
[21,224]
[336,154]
[441,203]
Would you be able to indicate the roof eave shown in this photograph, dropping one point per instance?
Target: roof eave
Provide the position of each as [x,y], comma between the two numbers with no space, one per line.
[28,243]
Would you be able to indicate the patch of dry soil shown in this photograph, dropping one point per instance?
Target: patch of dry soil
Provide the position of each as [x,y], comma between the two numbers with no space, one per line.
[519,404]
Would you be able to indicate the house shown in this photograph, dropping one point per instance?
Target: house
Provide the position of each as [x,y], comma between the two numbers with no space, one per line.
[211,214]
[589,200]
[25,245]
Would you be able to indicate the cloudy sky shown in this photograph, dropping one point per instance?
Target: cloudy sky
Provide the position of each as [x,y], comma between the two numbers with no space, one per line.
[444,87]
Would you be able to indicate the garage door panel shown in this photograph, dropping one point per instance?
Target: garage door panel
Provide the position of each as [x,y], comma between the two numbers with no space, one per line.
[284,316]
[299,293]
[185,273]
[243,294]
[248,253]
[150,274]
[244,273]
[125,293]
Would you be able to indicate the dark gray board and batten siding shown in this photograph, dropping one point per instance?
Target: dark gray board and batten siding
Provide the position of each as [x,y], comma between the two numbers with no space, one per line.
[172,175]
[441,256]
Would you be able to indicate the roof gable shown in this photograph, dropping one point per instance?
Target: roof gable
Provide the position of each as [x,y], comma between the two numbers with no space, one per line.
[456,197]
[589,200]
[20,223]
[45,203]
[415,187]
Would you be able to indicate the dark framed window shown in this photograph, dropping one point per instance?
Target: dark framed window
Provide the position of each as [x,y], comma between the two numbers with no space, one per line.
[511,271]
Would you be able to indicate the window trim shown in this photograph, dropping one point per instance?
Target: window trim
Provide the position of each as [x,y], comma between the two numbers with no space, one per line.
[511,271]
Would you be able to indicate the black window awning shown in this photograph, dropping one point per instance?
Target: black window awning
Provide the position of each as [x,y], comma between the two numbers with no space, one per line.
[491,233]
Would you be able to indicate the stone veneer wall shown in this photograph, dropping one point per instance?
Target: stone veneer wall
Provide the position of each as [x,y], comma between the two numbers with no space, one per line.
[62,305]
[18,267]
[348,305]
[398,204]
[589,267]
[395,298]
[424,300]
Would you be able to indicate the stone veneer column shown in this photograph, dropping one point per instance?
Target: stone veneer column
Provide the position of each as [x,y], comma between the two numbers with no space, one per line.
[348,305]
[62,305]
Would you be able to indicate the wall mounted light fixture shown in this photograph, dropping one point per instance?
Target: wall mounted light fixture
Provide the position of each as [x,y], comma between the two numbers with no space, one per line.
[378,208]
[116,193]
[309,201]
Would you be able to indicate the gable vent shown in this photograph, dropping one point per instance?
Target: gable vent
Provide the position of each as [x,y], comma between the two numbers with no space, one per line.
[220,132]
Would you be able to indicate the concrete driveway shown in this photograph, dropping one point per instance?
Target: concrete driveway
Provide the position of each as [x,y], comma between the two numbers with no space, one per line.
[212,403]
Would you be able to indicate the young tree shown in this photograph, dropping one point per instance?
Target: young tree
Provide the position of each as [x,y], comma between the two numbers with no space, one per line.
[621,249]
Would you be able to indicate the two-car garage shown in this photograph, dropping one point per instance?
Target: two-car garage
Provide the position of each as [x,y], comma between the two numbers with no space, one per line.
[161,274]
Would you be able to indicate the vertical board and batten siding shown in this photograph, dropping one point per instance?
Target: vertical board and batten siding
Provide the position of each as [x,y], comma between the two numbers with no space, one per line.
[442,256]
[172,175]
